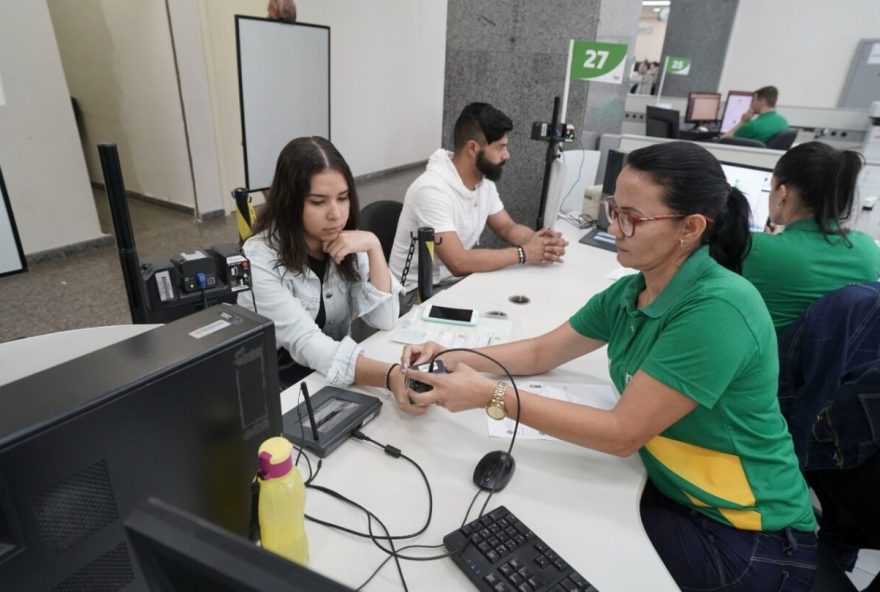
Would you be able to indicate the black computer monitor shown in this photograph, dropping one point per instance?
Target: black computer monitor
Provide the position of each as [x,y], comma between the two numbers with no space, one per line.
[702,107]
[661,123]
[177,412]
[178,552]
[738,102]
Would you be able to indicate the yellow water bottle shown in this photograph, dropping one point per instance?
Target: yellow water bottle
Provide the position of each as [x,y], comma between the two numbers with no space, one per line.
[281,508]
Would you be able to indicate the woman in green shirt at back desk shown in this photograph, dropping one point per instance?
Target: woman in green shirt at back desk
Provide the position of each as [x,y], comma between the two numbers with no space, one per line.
[811,195]
[693,352]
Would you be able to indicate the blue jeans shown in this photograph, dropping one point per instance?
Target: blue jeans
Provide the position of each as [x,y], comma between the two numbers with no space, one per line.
[703,554]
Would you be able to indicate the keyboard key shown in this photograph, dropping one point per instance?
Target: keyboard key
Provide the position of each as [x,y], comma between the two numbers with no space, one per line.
[541,547]
[568,585]
[524,587]
[579,580]
[467,529]
[506,570]
[525,572]
[541,561]
[560,564]
[515,579]
[492,556]
[502,587]
[492,579]
[535,582]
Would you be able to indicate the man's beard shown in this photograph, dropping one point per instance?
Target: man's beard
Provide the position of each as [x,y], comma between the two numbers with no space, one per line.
[489,170]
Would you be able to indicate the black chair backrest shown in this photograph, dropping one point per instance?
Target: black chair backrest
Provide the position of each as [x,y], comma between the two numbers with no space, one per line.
[380,218]
[782,140]
[743,142]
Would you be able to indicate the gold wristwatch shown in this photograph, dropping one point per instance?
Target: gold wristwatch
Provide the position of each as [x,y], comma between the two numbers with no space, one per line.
[495,409]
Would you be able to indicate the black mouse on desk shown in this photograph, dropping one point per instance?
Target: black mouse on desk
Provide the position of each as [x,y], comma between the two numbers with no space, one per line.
[494,471]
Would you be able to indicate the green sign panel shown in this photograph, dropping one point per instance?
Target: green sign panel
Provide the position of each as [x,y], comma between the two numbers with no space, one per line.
[598,62]
[679,66]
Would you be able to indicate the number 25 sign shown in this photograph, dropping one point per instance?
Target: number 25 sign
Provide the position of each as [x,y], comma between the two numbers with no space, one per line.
[598,62]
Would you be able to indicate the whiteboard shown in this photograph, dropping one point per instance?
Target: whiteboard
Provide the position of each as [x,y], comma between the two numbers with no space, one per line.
[284,89]
[11,255]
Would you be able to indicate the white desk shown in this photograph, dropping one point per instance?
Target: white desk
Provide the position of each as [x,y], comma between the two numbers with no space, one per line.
[30,355]
[585,504]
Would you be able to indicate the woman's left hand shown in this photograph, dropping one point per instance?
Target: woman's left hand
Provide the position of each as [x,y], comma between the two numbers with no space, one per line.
[397,383]
[459,389]
[351,241]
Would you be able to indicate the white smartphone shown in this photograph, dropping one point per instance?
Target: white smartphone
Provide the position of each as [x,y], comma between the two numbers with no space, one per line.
[448,314]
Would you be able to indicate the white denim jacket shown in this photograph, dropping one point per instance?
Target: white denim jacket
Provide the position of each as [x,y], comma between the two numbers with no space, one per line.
[292,300]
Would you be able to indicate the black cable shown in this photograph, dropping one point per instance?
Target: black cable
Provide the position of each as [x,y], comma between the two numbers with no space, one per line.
[509,377]
[471,505]
[387,559]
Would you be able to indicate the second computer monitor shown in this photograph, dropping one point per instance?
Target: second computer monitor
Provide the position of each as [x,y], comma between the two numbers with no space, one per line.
[754,182]
[702,107]
[738,102]
[661,123]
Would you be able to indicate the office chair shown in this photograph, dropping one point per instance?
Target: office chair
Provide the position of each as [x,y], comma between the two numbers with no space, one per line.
[782,140]
[743,142]
[380,218]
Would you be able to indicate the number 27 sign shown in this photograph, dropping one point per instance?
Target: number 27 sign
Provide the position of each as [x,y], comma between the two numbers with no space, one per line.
[598,62]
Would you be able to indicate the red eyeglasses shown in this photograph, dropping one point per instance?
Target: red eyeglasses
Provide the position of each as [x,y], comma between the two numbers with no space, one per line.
[628,222]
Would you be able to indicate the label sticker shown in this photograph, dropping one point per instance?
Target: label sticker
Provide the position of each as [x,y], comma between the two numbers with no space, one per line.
[208,329]
[163,283]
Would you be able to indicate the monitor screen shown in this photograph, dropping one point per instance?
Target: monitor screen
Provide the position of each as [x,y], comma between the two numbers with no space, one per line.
[754,182]
[738,102]
[702,107]
[177,551]
[661,123]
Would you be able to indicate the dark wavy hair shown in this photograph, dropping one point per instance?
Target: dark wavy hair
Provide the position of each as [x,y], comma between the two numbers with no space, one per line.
[282,216]
[825,180]
[694,183]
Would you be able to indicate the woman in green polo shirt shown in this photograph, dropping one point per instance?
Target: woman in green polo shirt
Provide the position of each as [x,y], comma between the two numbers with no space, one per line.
[811,195]
[692,349]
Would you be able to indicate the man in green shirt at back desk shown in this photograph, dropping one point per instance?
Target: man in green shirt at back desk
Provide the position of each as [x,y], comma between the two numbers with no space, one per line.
[767,123]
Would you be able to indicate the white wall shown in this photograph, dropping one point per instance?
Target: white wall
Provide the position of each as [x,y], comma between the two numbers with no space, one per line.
[650,46]
[119,65]
[803,48]
[39,146]
[386,85]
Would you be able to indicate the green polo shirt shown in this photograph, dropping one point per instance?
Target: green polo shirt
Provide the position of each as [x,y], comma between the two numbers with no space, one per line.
[762,127]
[798,266]
[708,336]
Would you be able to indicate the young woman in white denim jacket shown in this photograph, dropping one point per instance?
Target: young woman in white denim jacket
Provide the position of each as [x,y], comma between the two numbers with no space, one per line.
[313,272]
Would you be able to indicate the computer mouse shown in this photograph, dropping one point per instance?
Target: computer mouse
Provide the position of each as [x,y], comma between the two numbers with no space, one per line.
[494,471]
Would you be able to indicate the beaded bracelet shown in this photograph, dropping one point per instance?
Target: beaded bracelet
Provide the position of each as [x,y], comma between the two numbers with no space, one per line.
[521,253]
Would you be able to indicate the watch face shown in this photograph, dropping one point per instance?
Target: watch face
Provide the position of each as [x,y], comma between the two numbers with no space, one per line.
[495,411]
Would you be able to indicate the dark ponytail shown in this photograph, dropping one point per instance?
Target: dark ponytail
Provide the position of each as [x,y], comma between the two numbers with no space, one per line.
[824,179]
[730,231]
[694,183]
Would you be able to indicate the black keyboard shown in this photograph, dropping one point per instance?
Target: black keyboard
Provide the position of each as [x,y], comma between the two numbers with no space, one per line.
[501,554]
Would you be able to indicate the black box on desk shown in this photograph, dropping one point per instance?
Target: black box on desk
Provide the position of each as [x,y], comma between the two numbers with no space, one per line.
[177,412]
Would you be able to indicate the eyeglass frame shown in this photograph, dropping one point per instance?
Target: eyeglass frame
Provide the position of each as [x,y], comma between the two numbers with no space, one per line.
[612,212]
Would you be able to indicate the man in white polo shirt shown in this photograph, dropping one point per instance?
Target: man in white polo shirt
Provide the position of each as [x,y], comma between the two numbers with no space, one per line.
[457,197]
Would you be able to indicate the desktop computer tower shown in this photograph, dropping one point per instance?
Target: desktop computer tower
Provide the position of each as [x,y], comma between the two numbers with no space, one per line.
[177,412]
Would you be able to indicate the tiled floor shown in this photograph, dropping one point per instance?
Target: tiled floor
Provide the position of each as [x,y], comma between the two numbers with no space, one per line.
[86,289]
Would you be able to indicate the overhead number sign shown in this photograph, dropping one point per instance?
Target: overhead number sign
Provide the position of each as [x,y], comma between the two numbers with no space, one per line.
[597,61]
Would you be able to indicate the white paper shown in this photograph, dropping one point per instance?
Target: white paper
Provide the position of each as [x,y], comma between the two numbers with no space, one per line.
[414,329]
[600,396]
